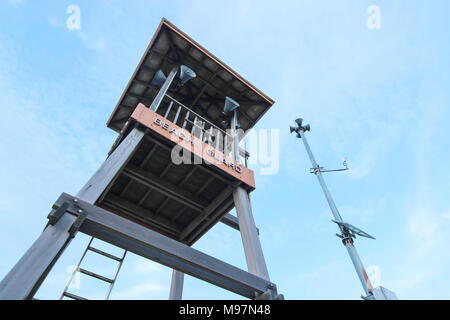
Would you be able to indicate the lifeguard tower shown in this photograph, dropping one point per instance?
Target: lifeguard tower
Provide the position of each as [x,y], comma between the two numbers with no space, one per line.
[175,170]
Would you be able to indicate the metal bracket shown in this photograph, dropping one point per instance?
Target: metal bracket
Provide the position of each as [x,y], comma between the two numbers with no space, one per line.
[318,169]
[56,215]
[270,294]
[350,231]
[346,237]
[368,297]
[75,227]
[322,169]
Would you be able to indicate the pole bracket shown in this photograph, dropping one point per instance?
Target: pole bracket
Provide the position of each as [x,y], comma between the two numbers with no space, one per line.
[75,227]
[316,170]
[56,214]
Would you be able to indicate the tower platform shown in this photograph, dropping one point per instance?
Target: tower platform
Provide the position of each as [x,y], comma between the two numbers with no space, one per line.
[181,201]
[203,94]
[175,169]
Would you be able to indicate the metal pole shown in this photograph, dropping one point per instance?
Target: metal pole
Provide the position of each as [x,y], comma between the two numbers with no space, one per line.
[176,287]
[162,92]
[318,174]
[359,267]
[235,136]
[348,242]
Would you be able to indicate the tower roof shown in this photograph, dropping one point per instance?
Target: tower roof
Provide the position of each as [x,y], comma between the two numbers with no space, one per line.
[204,94]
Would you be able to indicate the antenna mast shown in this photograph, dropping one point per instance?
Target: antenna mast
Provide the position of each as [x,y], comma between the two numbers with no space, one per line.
[347,231]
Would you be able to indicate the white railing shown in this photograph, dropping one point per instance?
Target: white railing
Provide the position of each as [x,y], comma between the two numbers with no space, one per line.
[176,112]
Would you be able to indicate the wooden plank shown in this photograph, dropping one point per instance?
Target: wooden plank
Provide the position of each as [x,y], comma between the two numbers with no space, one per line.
[150,180]
[141,212]
[199,167]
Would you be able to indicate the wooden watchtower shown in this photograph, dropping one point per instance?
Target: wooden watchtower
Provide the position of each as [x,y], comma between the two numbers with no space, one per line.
[175,170]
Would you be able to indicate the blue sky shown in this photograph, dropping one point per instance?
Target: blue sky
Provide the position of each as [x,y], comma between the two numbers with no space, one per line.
[378,97]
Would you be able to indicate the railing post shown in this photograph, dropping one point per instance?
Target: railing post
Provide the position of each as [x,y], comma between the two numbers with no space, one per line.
[235,144]
[162,92]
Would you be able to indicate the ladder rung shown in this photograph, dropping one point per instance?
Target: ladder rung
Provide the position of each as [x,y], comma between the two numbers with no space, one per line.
[92,274]
[103,253]
[73,296]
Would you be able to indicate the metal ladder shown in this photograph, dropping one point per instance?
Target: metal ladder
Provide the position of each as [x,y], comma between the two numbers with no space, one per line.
[111,282]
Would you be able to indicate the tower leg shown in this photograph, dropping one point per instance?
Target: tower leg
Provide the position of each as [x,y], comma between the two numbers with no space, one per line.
[30,271]
[98,183]
[27,275]
[176,287]
[252,247]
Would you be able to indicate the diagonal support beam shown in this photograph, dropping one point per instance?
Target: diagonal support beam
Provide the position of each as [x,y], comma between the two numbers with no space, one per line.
[148,215]
[232,222]
[225,206]
[147,243]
